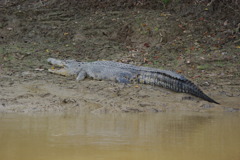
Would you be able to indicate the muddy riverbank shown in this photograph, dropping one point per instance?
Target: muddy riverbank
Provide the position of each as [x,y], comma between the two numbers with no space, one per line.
[205,50]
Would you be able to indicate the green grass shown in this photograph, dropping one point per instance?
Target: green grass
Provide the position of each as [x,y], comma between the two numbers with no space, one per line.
[203,67]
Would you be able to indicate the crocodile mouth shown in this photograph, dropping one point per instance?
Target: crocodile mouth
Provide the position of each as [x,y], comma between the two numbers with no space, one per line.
[59,70]
[56,62]
[59,67]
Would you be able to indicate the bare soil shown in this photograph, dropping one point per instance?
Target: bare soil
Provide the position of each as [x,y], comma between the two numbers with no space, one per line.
[206,50]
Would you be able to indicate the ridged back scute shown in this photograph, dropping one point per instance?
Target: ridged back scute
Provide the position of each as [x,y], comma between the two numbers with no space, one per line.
[133,68]
[173,83]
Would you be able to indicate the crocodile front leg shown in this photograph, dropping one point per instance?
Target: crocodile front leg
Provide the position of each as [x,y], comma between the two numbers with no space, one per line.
[81,75]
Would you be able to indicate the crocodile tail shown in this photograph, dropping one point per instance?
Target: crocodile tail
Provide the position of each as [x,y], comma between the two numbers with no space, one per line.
[176,84]
[191,88]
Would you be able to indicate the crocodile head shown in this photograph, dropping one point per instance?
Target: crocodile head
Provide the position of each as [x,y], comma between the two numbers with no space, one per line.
[64,67]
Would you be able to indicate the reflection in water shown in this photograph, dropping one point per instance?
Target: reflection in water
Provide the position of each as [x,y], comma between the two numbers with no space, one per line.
[168,136]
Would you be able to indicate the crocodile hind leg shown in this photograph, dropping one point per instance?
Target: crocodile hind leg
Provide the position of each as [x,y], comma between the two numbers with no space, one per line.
[124,78]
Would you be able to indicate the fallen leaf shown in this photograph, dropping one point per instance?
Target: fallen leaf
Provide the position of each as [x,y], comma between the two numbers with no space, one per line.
[179,71]
[165,14]
[145,60]
[181,26]
[146,45]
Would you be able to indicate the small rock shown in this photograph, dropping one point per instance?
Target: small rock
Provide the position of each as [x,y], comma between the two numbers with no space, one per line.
[206,84]
[68,100]
[206,106]
[26,73]
[227,109]
[188,98]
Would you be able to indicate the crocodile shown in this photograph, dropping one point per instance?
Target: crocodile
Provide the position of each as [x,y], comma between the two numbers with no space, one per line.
[127,73]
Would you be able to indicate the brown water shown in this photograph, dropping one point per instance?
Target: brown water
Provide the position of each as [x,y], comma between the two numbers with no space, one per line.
[166,136]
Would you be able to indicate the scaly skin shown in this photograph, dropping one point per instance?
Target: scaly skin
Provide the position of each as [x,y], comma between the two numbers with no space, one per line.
[126,73]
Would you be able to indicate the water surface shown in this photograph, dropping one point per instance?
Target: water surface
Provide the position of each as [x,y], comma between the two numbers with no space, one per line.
[167,136]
